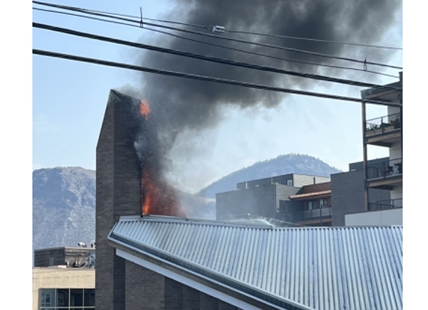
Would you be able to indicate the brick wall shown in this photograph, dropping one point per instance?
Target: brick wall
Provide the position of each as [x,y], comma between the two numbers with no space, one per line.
[179,296]
[145,289]
[121,284]
[117,193]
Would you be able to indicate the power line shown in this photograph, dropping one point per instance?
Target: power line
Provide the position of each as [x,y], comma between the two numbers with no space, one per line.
[255,33]
[87,17]
[220,46]
[364,62]
[315,40]
[208,58]
[207,78]
[269,56]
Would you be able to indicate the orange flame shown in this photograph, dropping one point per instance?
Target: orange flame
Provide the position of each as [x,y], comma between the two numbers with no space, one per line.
[158,197]
[150,192]
[144,109]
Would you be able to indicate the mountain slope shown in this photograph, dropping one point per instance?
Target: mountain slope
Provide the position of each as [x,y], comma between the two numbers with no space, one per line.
[64,198]
[63,207]
[283,164]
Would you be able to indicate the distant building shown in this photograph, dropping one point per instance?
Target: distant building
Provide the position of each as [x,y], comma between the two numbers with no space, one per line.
[312,201]
[385,131]
[348,194]
[312,205]
[291,198]
[64,279]
[370,193]
[382,178]
[67,256]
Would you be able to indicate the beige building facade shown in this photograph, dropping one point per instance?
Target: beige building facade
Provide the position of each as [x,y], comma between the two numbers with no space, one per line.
[58,287]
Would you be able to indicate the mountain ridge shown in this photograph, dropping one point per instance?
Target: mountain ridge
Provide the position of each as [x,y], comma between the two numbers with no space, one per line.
[282,164]
[64,197]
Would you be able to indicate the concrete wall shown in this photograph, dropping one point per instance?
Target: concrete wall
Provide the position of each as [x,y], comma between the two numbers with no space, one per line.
[260,201]
[281,179]
[297,180]
[283,192]
[375,218]
[262,197]
[300,180]
[397,192]
[60,278]
[347,195]
[392,109]
[395,151]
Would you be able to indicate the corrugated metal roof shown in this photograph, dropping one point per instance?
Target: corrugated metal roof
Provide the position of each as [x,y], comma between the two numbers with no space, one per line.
[321,267]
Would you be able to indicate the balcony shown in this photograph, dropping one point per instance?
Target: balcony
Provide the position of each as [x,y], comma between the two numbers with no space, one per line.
[383,131]
[386,204]
[385,174]
[313,214]
[385,169]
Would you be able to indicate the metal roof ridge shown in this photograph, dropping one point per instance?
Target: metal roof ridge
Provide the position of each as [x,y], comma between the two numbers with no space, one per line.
[181,220]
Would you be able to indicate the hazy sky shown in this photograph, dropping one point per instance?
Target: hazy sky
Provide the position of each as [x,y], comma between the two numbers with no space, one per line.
[69,99]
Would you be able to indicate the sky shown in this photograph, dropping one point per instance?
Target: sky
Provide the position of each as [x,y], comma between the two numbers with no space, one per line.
[69,100]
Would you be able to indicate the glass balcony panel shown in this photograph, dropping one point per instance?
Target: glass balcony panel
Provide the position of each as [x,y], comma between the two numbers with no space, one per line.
[386,204]
[385,169]
[383,124]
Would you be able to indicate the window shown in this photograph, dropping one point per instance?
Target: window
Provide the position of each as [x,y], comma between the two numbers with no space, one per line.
[323,203]
[290,182]
[67,299]
[47,297]
[312,204]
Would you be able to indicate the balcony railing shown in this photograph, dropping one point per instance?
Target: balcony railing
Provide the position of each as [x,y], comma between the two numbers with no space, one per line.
[313,214]
[383,124]
[386,204]
[385,169]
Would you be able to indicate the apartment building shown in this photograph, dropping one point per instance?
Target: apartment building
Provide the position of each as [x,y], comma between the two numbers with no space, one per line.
[382,175]
[288,199]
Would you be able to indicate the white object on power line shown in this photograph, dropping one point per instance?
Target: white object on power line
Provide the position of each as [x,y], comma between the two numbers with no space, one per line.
[220,29]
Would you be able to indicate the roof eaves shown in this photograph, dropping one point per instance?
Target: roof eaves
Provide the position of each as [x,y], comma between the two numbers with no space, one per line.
[163,257]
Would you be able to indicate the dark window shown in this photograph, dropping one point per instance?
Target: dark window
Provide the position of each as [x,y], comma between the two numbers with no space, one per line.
[312,204]
[76,297]
[323,203]
[62,297]
[67,299]
[90,297]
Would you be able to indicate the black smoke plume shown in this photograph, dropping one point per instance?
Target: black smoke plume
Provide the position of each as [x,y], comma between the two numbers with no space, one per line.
[180,104]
